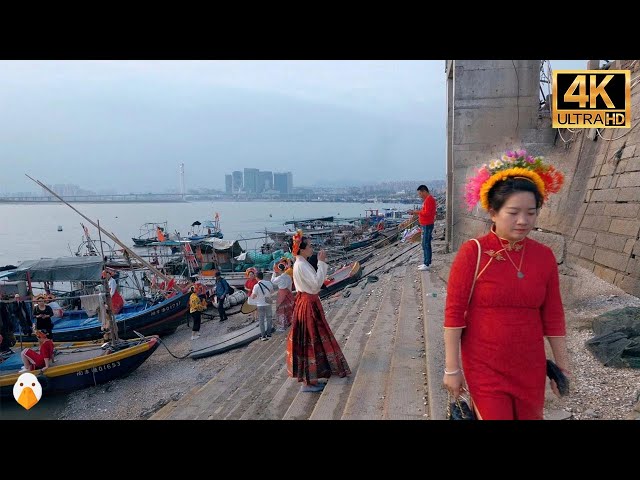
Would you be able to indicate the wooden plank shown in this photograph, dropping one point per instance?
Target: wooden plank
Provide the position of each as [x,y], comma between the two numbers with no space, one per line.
[405,390]
[433,314]
[331,404]
[368,392]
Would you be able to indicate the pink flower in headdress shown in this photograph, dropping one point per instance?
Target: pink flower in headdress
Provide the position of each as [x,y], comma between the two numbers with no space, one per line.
[473,186]
[521,153]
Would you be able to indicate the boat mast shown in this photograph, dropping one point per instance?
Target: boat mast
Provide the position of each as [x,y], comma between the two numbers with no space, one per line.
[110,235]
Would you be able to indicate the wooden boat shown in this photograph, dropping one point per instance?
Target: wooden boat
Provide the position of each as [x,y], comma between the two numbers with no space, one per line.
[158,315]
[237,338]
[341,278]
[77,367]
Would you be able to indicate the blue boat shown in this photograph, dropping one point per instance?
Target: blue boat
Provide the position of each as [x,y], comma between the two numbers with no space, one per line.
[79,366]
[147,316]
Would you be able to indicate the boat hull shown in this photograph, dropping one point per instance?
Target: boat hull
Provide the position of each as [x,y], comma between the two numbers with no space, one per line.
[86,373]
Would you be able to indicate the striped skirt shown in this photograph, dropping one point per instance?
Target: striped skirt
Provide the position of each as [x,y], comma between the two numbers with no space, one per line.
[312,350]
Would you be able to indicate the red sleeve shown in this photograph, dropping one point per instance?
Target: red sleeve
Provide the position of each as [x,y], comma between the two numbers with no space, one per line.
[46,350]
[459,285]
[428,213]
[552,311]
[431,207]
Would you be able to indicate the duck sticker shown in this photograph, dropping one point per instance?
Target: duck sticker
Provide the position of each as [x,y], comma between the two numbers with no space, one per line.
[27,391]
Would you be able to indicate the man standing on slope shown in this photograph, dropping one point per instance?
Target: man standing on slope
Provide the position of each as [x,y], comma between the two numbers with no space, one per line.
[426,217]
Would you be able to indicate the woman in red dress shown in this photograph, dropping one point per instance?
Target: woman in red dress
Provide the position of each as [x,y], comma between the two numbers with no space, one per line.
[498,319]
[312,350]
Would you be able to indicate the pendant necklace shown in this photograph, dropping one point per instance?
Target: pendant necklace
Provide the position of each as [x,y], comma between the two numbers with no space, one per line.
[520,275]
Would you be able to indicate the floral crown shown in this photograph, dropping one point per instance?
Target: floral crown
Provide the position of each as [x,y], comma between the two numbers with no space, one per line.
[250,270]
[297,240]
[512,164]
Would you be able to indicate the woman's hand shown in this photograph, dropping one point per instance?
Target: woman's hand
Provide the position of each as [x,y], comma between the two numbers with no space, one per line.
[454,383]
[322,256]
[554,385]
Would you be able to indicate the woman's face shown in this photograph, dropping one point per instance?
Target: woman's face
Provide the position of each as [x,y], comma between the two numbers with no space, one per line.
[41,303]
[517,217]
[308,251]
[252,275]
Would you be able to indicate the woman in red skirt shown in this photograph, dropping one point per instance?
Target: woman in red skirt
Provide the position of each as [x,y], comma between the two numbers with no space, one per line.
[42,359]
[504,296]
[312,350]
[285,303]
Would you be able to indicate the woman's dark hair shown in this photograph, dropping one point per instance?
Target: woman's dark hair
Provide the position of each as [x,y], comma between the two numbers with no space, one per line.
[502,190]
[303,243]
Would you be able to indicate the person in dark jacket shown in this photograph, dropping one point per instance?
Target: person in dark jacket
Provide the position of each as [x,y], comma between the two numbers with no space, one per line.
[222,290]
[19,312]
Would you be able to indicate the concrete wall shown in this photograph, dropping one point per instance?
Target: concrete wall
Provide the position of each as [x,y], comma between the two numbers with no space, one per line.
[495,108]
[598,209]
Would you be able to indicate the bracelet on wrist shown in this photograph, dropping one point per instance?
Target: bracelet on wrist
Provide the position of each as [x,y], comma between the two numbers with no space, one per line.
[452,372]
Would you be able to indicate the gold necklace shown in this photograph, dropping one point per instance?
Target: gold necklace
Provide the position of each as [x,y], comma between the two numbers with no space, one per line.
[519,268]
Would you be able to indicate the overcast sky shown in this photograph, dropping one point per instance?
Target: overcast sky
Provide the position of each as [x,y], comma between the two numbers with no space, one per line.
[127,125]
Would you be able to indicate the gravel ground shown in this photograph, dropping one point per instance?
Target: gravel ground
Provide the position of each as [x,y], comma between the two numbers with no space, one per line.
[158,380]
[597,392]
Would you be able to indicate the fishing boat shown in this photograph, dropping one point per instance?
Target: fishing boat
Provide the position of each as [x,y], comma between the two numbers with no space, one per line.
[158,314]
[342,277]
[80,366]
[150,232]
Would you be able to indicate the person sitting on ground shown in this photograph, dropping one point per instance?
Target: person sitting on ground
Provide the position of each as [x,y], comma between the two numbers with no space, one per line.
[42,359]
[42,314]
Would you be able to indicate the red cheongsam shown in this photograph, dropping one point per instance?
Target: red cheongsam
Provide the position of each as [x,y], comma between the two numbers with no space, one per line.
[502,344]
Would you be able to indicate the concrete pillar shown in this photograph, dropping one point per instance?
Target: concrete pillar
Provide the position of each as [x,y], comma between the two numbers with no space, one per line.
[494,107]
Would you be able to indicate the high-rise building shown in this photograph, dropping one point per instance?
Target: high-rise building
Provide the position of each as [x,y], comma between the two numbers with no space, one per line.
[237,181]
[265,181]
[251,180]
[228,183]
[289,182]
[283,182]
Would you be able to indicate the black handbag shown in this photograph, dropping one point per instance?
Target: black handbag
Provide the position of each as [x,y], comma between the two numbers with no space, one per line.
[459,409]
[554,373]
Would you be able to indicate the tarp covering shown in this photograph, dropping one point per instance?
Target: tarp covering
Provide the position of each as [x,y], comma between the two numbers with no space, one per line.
[319,219]
[61,269]
[617,339]
[218,244]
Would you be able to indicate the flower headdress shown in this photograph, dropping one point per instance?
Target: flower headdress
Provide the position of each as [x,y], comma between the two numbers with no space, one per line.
[512,164]
[297,240]
[249,270]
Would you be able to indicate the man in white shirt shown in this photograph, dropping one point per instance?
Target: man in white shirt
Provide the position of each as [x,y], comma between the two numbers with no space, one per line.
[261,298]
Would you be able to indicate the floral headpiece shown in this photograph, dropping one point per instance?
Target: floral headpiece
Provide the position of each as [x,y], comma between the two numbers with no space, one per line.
[297,240]
[250,270]
[512,164]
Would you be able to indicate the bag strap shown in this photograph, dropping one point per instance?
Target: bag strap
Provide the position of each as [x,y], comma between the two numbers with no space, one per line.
[475,277]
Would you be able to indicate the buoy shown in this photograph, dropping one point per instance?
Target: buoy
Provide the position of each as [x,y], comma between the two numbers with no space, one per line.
[59,228]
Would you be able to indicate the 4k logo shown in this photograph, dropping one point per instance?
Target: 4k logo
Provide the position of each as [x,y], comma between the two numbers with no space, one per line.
[591,99]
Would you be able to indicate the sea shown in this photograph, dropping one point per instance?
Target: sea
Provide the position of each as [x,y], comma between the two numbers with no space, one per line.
[30,231]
